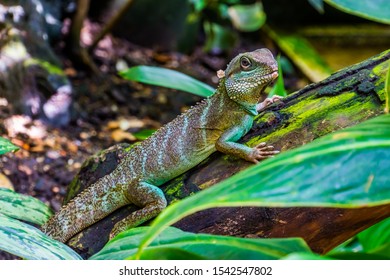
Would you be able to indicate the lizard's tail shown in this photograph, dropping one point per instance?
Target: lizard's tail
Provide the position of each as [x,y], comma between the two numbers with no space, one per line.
[88,207]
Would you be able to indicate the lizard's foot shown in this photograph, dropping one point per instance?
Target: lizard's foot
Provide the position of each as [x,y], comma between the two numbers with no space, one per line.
[268,101]
[152,201]
[262,151]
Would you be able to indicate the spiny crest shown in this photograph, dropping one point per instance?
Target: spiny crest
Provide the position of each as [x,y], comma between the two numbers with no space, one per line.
[193,110]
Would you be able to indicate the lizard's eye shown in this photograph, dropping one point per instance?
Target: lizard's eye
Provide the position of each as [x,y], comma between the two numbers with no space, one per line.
[245,63]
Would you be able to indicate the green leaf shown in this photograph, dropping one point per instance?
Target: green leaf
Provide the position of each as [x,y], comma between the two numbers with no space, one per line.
[6,146]
[167,78]
[27,242]
[376,10]
[176,244]
[348,168]
[302,53]
[218,37]
[376,237]
[376,245]
[199,5]
[349,246]
[318,5]
[167,253]
[382,251]
[278,88]
[23,207]
[387,91]
[143,134]
[247,18]
[305,256]
[357,256]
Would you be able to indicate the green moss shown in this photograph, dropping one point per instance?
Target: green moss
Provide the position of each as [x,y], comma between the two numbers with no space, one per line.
[128,149]
[314,112]
[380,72]
[175,189]
[73,189]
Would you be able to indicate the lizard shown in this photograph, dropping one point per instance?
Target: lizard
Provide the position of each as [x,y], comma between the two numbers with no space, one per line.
[214,124]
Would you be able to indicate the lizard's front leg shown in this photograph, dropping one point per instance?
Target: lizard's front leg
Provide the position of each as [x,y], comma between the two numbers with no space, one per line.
[149,198]
[268,101]
[226,144]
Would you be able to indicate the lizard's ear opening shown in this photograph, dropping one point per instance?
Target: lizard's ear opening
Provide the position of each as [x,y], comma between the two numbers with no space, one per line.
[220,74]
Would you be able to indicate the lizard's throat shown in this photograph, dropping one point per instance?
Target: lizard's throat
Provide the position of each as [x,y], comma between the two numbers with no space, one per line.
[247,100]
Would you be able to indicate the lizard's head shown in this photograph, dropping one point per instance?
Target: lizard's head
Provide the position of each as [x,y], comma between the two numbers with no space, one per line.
[247,75]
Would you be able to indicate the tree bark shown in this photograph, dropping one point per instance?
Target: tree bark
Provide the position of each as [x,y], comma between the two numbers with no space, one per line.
[346,98]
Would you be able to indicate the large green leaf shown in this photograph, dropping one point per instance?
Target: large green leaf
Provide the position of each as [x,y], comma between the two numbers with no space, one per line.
[372,243]
[27,242]
[302,53]
[348,168]
[349,246]
[382,252]
[377,10]
[23,207]
[358,256]
[247,18]
[278,88]
[318,5]
[387,92]
[376,237]
[176,244]
[218,37]
[167,78]
[305,256]
[6,146]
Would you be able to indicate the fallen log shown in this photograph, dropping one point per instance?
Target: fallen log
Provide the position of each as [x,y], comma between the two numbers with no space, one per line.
[346,98]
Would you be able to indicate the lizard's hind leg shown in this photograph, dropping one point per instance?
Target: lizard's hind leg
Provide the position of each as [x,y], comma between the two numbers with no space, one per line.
[152,201]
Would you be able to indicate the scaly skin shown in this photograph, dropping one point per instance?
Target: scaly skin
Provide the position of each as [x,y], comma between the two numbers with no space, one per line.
[214,124]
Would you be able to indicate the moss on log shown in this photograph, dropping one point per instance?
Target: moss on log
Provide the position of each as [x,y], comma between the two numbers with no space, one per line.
[346,98]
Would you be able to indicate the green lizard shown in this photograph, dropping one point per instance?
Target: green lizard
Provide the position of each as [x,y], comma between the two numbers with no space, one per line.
[214,124]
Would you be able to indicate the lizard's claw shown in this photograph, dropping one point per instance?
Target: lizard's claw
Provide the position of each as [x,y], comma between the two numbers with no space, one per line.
[268,101]
[111,236]
[116,230]
[262,151]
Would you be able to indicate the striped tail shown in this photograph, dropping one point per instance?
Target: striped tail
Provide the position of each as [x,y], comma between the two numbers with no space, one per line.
[93,204]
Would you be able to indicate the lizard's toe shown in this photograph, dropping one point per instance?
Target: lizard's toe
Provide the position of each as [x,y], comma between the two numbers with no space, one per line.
[262,151]
[276,98]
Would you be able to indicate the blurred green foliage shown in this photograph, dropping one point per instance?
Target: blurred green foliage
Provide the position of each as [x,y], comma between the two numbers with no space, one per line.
[6,146]
[167,78]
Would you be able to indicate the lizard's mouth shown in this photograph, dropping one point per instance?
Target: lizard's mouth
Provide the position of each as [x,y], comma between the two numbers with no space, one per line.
[271,77]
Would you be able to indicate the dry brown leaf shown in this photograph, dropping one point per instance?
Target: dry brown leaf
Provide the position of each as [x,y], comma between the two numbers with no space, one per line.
[125,124]
[113,125]
[72,147]
[118,136]
[5,182]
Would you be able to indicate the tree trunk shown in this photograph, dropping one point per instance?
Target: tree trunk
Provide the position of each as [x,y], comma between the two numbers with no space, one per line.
[346,98]
[31,78]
